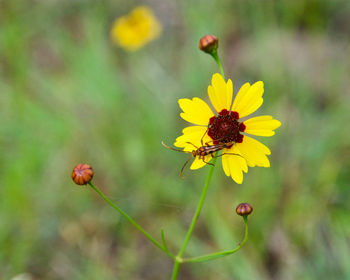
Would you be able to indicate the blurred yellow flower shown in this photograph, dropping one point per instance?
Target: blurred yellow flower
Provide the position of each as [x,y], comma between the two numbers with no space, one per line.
[136,29]
[227,127]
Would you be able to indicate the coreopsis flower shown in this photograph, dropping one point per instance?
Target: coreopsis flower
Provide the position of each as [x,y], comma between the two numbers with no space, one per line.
[226,126]
[136,29]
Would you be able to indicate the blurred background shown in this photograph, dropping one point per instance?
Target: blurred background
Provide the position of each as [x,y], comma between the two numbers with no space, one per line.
[69,95]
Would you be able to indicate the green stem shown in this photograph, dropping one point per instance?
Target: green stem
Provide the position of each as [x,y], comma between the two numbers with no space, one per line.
[175,269]
[144,232]
[222,253]
[178,258]
[198,210]
[216,57]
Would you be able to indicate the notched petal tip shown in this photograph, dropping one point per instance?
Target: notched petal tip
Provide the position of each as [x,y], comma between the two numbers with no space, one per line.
[258,86]
[220,92]
[217,76]
[261,126]
[239,182]
[278,124]
[254,152]
[195,111]
[182,101]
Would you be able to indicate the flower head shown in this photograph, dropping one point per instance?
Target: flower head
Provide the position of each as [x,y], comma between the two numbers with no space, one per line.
[136,29]
[227,128]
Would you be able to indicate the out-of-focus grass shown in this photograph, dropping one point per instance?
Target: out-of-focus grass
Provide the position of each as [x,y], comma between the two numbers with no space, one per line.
[68,96]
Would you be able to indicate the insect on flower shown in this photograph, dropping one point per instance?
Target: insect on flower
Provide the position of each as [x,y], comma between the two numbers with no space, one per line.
[202,151]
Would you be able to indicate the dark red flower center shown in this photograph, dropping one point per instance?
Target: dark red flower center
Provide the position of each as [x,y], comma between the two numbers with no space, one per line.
[225,128]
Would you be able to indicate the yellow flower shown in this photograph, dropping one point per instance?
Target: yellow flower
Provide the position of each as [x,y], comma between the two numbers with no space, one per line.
[227,127]
[136,29]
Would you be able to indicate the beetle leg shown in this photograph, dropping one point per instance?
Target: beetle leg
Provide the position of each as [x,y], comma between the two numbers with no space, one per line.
[229,154]
[207,162]
[203,136]
[203,158]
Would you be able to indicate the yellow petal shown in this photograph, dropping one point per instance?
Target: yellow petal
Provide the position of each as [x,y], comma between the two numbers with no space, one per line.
[233,164]
[195,111]
[199,163]
[254,152]
[225,165]
[234,151]
[262,126]
[190,134]
[242,92]
[248,99]
[220,92]
[235,169]
[192,138]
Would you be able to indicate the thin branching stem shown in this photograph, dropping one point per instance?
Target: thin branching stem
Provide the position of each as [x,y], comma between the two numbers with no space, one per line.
[221,254]
[136,225]
[178,258]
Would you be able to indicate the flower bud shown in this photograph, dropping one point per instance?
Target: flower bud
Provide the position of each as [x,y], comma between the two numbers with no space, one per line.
[244,209]
[209,43]
[82,174]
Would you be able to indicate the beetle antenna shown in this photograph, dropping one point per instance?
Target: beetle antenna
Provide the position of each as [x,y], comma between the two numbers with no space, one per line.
[178,150]
[183,167]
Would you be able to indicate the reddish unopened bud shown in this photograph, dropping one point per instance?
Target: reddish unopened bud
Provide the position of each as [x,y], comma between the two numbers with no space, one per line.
[244,209]
[82,174]
[209,43]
